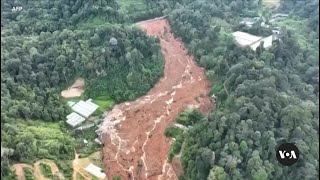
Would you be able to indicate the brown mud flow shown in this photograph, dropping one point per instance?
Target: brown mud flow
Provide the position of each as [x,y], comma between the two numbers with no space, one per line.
[135,146]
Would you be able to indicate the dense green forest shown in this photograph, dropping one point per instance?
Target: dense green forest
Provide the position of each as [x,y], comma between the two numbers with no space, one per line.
[45,45]
[263,97]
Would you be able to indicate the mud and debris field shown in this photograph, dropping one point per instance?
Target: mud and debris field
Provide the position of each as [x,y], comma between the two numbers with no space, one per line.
[135,146]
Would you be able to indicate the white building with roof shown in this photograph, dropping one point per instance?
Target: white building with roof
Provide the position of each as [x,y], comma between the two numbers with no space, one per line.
[267,42]
[85,108]
[75,119]
[246,39]
[249,22]
[96,171]
[82,110]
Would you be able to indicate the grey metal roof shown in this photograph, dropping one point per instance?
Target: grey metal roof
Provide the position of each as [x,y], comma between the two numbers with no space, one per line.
[85,108]
[85,126]
[95,170]
[75,119]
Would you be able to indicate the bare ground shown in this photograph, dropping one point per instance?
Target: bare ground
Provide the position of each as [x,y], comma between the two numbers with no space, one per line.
[37,170]
[20,172]
[75,90]
[272,3]
[78,165]
[135,146]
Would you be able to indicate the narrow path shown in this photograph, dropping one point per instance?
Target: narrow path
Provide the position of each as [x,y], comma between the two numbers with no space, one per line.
[133,132]
[38,175]
[78,170]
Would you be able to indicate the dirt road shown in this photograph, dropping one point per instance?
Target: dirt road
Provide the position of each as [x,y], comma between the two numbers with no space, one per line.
[19,170]
[78,170]
[133,132]
[78,165]
[37,170]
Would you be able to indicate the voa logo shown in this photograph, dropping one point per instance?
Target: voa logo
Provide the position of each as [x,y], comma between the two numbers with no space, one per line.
[287,154]
[290,155]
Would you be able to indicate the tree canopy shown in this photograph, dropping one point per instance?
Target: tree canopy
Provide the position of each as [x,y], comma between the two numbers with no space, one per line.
[263,98]
[45,46]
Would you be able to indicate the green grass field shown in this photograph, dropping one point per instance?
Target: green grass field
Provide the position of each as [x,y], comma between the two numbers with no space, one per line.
[298,27]
[46,170]
[129,5]
[104,102]
[217,88]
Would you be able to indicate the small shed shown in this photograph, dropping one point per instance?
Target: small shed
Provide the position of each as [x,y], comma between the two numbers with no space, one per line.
[96,171]
[248,22]
[84,127]
[97,141]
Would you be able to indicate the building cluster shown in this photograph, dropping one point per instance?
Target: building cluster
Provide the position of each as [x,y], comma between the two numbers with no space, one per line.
[82,110]
[245,39]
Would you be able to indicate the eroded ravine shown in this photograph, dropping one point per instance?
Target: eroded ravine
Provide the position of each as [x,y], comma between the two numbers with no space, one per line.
[135,146]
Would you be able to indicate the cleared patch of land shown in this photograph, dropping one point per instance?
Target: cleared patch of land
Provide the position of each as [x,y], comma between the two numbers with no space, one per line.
[297,26]
[75,90]
[79,164]
[127,5]
[272,3]
[104,102]
[37,173]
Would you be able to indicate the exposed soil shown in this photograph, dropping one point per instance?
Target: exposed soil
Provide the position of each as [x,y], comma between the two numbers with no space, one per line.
[78,170]
[135,146]
[37,170]
[75,90]
[19,170]
[78,165]
[51,164]
[177,166]
[272,3]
